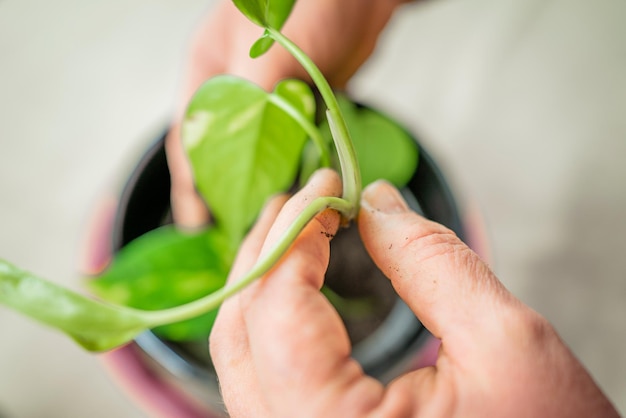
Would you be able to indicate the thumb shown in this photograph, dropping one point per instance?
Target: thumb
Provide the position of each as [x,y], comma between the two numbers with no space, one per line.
[448,287]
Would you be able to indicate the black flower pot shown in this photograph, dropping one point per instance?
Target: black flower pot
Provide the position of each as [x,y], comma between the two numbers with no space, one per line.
[387,341]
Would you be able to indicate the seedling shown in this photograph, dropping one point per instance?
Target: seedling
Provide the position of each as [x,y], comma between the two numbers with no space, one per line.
[244,145]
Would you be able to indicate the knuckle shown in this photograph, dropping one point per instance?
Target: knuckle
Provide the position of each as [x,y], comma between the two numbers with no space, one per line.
[528,328]
[536,327]
[435,241]
[215,339]
[221,339]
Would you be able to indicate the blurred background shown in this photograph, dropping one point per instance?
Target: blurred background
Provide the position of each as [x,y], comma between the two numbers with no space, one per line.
[523,102]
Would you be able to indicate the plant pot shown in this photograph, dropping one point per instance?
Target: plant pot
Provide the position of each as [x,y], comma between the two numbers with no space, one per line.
[178,379]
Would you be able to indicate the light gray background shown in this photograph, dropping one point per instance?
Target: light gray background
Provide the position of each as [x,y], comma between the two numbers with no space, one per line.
[522,102]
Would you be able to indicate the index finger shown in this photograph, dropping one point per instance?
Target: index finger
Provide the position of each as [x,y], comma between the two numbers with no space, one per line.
[300,347]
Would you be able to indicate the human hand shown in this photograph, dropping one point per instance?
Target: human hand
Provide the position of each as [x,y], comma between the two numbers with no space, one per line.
[338,36]
[280,349]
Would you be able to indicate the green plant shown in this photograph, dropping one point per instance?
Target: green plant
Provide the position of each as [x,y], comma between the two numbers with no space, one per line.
[244,144]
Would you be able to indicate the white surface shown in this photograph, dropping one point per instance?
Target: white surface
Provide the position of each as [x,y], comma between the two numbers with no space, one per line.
[522,101]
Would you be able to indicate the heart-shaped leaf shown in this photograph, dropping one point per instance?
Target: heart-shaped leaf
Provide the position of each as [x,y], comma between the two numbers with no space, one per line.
[94,325]
[166,268]
[242,147]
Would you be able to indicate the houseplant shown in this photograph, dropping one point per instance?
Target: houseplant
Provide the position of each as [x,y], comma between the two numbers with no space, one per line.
[99,326]
[399,343]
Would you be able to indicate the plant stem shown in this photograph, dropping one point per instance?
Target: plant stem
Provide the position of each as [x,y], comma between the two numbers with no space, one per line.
[347,155]
[309,127]
[262,266]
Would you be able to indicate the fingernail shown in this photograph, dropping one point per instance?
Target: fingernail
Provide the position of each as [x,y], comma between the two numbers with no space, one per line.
[382,196]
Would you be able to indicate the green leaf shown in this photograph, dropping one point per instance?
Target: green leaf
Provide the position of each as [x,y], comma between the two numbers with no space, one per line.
[384,149]
[243,148]
[299,94]
[311,162]
[277,12]
[166,268]
[94,325]
[266,13]
[261,46]
[254,10]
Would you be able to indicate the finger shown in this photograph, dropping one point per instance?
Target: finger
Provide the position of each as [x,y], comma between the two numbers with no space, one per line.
[251,247]
[188,208]
[209,50]
[206,59]
[300,348]
[446,284]
[228,343]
